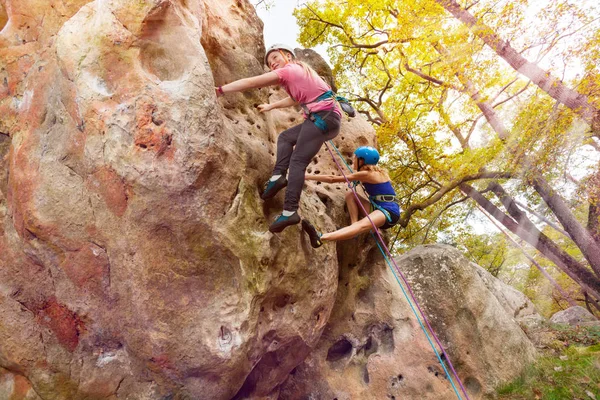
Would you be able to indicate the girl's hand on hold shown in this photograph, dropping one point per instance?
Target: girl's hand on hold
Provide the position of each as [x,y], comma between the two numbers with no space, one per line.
[219,91]
[264,107]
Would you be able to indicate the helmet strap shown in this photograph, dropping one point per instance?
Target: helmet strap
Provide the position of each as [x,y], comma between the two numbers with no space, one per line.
[284,55]
[358,159]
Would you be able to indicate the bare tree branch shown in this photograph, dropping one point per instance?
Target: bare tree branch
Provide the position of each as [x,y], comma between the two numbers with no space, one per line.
[429,78]
[412,208]
[512,96]
[544,219]
[484,105]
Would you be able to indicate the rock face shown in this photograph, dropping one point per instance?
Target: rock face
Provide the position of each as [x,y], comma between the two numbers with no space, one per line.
[135,257]
[467,315]
[373,348]
[574,316]
[135,261]
[514,302]
[15,386]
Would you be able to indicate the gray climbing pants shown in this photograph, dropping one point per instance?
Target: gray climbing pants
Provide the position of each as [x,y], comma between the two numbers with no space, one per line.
[296,147]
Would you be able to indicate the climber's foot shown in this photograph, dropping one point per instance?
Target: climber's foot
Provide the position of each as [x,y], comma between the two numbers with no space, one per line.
[315,237]
[273,187]
[282,222]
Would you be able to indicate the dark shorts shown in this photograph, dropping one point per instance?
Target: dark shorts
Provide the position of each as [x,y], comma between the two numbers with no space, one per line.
[395,218]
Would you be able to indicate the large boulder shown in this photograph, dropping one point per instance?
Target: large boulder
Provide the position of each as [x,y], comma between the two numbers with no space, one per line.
[576,315]
[515,303]
[135,258]
[373,347]
[479,334]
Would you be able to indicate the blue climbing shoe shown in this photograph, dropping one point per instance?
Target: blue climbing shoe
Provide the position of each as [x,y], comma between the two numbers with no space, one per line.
[315,237]
[273,187]
[282,222]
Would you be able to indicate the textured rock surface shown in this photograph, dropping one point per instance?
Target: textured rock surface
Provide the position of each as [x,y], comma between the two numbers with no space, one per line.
[480,336]
[514,302]
[373,348]
[134,246]
[135,259]
[574,316]
[15,387]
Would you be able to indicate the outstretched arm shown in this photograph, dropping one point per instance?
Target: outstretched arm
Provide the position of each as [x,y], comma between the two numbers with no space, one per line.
[287,102]
[268,79]
[324,178]
[363,176]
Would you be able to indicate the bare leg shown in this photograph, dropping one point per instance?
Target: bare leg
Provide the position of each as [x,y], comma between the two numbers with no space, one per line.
[353,208]
[364,225]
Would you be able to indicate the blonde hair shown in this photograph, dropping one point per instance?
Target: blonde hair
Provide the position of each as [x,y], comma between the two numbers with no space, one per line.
[376,168]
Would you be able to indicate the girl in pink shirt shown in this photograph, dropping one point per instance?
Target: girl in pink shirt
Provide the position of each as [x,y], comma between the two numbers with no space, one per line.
[296,146]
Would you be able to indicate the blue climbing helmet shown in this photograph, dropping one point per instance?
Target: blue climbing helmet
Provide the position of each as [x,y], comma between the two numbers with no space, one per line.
[368,153]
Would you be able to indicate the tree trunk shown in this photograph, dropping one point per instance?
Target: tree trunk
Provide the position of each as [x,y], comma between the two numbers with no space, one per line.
[594,220]
[589,301]
[562,292]
[544,219]
[593,224]
[579,103]
[586,243]
[579,273]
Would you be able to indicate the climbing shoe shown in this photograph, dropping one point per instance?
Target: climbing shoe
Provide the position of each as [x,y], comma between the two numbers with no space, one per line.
[315,237]
[272,187]
[282,222]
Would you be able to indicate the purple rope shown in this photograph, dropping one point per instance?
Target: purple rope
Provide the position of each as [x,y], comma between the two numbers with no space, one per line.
[412,295]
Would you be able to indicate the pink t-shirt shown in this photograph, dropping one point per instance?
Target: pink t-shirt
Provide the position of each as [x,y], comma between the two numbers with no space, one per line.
[304,87]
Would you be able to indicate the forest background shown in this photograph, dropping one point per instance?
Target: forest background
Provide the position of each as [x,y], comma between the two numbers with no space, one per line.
[488,116]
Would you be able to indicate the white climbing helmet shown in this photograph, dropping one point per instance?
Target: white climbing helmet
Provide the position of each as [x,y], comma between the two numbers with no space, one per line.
[279,46]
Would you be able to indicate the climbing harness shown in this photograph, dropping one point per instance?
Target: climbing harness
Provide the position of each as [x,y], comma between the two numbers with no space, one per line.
[341,100]
[320,121]
[397,272]
[383,198]
[385,212]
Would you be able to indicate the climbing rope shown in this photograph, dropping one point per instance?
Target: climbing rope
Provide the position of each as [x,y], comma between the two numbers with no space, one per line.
[388,256]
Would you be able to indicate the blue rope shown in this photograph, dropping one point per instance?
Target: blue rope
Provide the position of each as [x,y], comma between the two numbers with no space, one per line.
[356,183]
[341,156]
[437,354]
